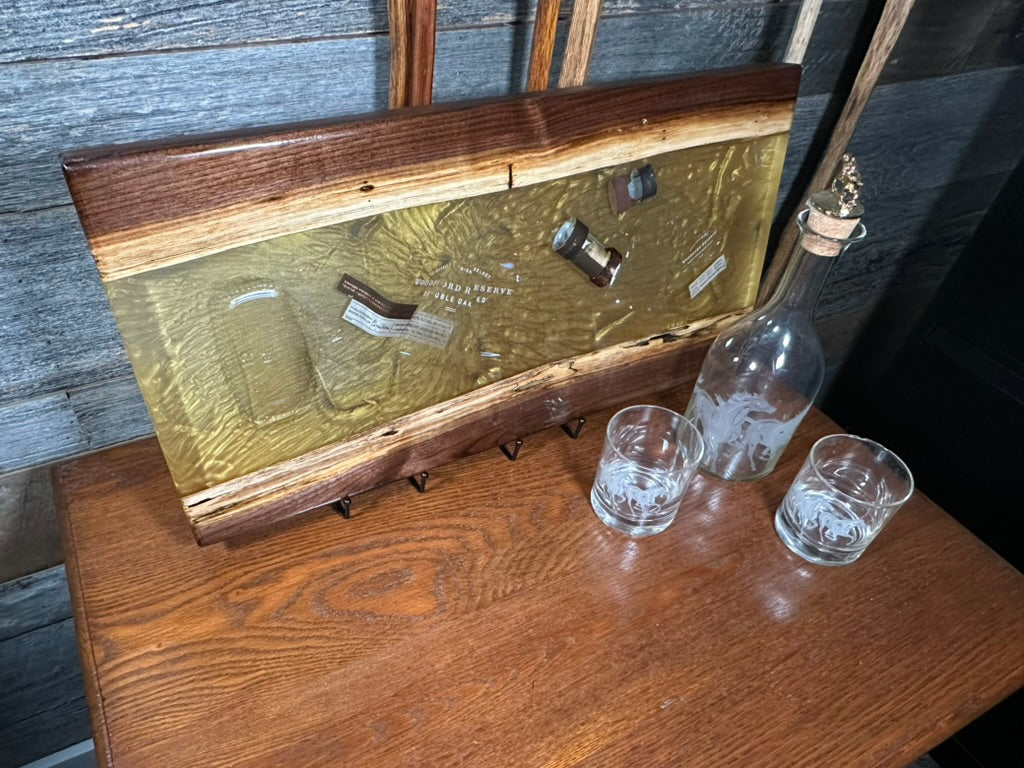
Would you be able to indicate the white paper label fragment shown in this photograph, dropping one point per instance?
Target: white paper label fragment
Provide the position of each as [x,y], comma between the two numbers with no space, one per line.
[378,316]
[704,279]
[421,327]
[429,329]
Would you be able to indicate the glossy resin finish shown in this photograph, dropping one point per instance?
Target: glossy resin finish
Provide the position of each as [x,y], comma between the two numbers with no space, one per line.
[315,310]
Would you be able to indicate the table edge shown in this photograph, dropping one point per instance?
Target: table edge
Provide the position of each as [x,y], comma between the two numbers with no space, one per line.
[83,635]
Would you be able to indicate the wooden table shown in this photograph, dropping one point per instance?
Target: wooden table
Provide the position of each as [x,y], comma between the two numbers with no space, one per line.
[494,621]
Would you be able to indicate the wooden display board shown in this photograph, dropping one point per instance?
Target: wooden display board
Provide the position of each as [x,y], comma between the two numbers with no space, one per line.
[266,282]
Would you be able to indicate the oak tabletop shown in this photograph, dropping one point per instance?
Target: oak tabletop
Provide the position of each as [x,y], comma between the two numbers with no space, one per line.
[494,621]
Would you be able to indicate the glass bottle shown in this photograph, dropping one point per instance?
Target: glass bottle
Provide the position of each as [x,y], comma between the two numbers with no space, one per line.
[762,373]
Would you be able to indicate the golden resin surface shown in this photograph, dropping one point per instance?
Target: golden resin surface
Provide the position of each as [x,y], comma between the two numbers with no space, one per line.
[255,355]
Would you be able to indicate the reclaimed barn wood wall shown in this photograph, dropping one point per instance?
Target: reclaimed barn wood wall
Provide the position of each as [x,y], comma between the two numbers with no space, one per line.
[936,143]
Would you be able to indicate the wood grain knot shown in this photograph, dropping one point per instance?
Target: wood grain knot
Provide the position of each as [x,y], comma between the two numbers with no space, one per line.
[402,587]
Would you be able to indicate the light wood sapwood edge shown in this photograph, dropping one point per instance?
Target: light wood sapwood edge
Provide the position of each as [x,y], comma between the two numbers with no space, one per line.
[476,421]
[580,44]
[802,31]
[130,252]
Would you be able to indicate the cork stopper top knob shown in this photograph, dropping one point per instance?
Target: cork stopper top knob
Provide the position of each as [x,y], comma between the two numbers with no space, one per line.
[842,199]
[833,213]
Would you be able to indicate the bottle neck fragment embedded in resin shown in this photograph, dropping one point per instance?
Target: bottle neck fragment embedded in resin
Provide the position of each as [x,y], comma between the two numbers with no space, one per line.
[575,242]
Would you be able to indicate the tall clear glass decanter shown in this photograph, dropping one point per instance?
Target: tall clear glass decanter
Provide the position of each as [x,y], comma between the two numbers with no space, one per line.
[762,373]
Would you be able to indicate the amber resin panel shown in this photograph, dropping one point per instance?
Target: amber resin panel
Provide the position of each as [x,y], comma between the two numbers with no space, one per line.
[301,332]
[254,355]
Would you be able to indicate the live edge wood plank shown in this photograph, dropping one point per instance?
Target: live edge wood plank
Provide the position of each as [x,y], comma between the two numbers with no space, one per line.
[116,99]
[149,205]
[495,621]
[485,418]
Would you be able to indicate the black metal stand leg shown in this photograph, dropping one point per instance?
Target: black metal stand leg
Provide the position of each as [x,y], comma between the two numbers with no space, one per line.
[514,453]
[421,482]
[574,432]
[343,507]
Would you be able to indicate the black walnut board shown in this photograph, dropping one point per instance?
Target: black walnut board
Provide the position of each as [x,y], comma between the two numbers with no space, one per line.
[151,205]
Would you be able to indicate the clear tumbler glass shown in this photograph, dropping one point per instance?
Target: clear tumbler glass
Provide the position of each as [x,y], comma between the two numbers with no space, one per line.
[846,491]
[650,456]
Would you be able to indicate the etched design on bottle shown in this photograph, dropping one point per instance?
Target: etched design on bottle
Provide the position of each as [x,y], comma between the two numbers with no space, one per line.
[742,432]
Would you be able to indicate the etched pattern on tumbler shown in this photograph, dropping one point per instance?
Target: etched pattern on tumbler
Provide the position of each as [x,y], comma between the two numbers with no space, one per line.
[650,456]
[845,493]
[644,500]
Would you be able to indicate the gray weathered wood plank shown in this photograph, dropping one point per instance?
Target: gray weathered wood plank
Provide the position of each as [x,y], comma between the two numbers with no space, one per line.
[920,135]
[68,103]
[34,601]
[40,685]
[56,328]
[38,430]
[60,335]
[39,30]
[111,412]
[45,732]
[914,237]
[29,534]
[881,326]
[939,38]
[1001,42]
[58,105]
[53,427]
[38,669]
[929,151]
[705,36]
[36,29]
[874,311]
[937,130]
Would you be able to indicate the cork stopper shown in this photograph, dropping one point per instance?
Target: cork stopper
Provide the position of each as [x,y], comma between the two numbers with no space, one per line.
[833,214]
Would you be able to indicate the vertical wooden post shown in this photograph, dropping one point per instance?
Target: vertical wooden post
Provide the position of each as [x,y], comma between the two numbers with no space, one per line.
[412,24]
[424,30]
[545,27]
[582,31]
[399,18]
[801,36]
[890,24]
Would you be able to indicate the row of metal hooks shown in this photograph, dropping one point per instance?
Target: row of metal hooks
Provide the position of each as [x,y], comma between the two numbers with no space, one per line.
[344,506]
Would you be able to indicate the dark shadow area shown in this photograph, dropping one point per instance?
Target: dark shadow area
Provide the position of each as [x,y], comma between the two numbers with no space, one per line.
[522,38]
[775,34]
[937,371]
[381,55]
[951,404]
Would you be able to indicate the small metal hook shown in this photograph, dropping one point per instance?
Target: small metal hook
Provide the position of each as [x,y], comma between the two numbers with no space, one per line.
[514,453]
[421,482]
[574,432]
[343,507]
